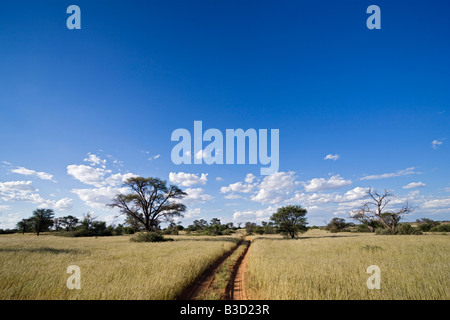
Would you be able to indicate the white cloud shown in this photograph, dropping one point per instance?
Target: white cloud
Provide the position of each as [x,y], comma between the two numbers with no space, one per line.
[399,173]
[87,174]
[320,184]
[326,198]
[63,204]
[275,188]
[331,157]
[187,179]
[436,143]
[118,178]
[25,191]
[254,215]
[29,172]
[16,186]
[107,184]
[191,213]
[414,185]
[354,194]
[437,203]
[9,221]
[237,187]
[219,179]
[97,176]
[249,178]
[98,197]
[195,195]
[201,154]
[95,160]
[154,157]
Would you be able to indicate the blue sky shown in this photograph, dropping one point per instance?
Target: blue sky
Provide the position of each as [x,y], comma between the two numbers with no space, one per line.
[83,109]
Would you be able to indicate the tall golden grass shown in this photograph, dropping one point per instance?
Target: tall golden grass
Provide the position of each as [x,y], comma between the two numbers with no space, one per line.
[323,265]
[34,267]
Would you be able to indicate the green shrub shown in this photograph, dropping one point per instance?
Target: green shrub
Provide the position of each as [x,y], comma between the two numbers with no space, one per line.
[384,231]
[146,236]
[227,232]
[401,229]
[441,228]
[171,231]
[362,228]
[407,229]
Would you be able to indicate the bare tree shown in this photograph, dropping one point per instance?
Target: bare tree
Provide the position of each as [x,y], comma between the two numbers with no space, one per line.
[374,210]
[149,202]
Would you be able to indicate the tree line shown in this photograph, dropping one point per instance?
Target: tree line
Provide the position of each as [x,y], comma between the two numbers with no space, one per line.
[150,202]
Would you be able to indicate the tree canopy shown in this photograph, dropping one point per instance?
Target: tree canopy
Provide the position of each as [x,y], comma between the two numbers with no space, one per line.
[290,220]
[149,202]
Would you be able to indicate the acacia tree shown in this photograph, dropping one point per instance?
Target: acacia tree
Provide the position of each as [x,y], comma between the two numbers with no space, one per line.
[42,220]
[374,210]
[69,222]
[149,202]
[24,225]
[290,220]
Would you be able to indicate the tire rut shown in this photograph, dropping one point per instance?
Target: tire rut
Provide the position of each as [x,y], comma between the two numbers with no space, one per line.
[236,287]
[205,280]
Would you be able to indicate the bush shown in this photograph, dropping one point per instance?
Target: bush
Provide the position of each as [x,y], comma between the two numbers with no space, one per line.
[227,232]
[171,231]
[401,229]
[362,228]
[441,228]
[383,231]
[407,229]
[148,237]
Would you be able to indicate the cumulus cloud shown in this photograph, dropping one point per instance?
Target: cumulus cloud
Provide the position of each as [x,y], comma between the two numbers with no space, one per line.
[249,178]
[29,172]
[25,191]
[87,174]
[331,157]
[16,186]
[414,185]
[98,197]
[320,184]
[275,188]
[437,203]
[96,177]
[254,215]
[195,195]
[187,179]
[93,159]
[237,187]
[107,184]
[399,173]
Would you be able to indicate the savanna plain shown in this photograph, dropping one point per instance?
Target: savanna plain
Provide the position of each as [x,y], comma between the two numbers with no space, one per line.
[318,265]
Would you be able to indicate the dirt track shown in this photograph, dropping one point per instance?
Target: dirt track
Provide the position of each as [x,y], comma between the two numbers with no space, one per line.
[236,287]
[237,284]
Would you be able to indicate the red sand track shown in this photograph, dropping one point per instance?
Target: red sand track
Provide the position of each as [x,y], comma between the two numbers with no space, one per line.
[237,284]
[235,289]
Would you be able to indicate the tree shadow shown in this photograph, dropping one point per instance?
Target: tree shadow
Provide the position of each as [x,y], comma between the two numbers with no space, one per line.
[304,237]
[212,238]
[40,250]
